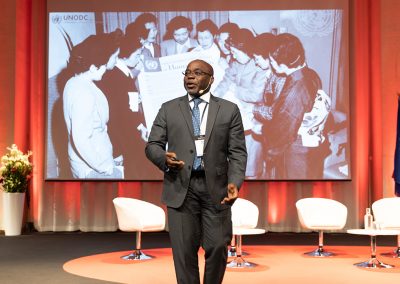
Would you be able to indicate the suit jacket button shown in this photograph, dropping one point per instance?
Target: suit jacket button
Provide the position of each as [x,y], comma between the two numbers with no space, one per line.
[189,167]
[191,151]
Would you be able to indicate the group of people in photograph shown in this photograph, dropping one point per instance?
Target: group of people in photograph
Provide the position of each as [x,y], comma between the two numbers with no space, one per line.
[279,96]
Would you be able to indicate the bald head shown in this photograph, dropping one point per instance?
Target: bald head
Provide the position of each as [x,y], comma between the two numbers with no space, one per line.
[206,67]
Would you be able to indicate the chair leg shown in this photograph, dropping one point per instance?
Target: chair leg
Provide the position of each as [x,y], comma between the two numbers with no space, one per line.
[396,252]
[239,261]
[137,254]
[232,249]
[320,252]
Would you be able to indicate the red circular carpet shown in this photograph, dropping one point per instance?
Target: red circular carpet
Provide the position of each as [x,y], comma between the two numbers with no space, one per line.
[276,264]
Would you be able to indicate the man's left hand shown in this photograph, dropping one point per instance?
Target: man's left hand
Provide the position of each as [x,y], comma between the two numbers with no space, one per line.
[232,194]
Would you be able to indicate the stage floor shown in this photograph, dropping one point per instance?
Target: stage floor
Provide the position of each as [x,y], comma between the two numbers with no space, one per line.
[276,264]
[86,258]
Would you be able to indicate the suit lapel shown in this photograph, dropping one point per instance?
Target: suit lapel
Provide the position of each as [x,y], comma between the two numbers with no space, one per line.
[185,109]
[212,115]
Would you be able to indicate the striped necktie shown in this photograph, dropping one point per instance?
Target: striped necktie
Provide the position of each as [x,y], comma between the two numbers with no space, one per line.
[196,128]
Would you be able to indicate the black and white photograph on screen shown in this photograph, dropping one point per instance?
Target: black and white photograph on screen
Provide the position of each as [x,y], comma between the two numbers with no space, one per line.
[110,72]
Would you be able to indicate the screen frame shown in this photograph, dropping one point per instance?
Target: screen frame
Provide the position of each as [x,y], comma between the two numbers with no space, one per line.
[176,5]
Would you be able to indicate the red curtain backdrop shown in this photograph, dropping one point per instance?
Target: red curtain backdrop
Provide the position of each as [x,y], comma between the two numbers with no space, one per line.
[390,87]
[87,206]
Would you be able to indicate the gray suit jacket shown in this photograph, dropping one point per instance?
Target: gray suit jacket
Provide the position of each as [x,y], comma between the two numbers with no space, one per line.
[225,153]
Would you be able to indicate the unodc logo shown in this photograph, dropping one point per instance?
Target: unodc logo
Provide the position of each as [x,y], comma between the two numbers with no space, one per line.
[56,19]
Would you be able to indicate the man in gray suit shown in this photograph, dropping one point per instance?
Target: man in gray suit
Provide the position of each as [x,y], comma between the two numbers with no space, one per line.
[204,168]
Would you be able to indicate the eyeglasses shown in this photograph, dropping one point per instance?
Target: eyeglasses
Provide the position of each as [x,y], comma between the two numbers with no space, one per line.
[196,73]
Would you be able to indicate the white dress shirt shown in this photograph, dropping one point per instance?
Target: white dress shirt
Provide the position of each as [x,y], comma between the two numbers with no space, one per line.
[180,48]
[122,66]
[150,47]
[203,108]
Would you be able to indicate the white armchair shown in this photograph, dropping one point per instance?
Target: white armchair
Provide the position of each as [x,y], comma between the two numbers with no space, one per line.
[244,222]
[321,214]
[386,212]
[138,216]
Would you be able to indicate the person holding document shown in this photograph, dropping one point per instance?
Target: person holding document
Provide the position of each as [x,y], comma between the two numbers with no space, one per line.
[126,125]
[204,168]
[177,39]
[243,83]
[146,26]
[284,144]
[206,31]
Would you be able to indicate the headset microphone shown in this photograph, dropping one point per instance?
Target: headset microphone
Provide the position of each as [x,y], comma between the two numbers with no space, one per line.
[203,90]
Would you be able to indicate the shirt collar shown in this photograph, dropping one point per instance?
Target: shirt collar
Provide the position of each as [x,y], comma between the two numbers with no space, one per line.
[186,43]
[205,97]
[122,66]
[184,46]
[150,47]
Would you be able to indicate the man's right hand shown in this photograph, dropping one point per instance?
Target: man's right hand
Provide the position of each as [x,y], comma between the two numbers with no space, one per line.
[172,162]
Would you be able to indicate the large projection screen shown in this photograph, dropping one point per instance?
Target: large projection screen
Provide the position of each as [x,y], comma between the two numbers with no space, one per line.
[323,136]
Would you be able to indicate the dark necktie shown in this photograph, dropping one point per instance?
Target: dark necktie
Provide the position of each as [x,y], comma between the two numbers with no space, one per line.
[196,128]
